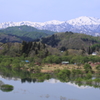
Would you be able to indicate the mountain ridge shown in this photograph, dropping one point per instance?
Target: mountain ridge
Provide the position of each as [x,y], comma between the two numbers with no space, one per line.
[83,24]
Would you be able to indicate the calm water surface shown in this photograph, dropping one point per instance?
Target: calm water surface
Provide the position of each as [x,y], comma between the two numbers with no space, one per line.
[48,90]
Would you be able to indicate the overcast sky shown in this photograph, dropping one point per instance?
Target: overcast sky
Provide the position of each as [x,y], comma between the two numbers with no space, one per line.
[46,10]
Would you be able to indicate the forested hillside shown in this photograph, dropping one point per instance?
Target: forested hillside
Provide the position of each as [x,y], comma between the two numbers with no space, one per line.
[60,41]
[4,38]
[69,40]
[26,33]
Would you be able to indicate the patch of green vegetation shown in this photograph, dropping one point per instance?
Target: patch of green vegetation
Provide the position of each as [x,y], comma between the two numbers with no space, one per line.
[7,88]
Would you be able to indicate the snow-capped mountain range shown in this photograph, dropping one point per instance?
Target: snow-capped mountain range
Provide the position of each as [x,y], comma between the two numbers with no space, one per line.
[84,24]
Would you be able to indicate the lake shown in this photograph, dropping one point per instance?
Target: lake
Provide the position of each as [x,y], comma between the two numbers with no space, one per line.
[51,89]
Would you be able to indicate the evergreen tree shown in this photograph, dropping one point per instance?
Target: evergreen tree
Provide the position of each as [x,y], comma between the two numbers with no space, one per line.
[46,53]
[83,51]
[44,46]
[36,51]
[38,46]
[89,50]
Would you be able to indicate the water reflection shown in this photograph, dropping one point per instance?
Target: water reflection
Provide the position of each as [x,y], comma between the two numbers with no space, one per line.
[52,80]
[43,86]
[1,83]
[79,83]
[51,89]
[80,87]
[68,83]
[5,87]
[28,80]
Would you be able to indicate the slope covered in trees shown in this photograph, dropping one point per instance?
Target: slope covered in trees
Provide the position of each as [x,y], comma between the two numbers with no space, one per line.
[60,41]
[69,40]
[4,38]
[25,33]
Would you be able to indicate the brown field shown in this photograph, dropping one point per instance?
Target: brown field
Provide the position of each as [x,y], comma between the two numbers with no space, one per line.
[52,67]
[48,68]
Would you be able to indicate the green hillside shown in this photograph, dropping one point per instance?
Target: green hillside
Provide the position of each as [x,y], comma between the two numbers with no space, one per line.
[25,33]
[8,38]
[69,40]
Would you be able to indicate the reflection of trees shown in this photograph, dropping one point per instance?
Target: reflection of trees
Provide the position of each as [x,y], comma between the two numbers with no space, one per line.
[89,83]
[74,76]
[28,80]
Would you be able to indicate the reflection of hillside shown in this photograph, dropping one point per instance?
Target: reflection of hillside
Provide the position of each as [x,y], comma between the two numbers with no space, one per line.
[52,81]
[69,83]
[10,78]
[81,87]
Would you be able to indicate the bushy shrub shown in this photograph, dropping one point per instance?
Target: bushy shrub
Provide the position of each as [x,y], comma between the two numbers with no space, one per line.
[87,68]
[63,75]
[98,67]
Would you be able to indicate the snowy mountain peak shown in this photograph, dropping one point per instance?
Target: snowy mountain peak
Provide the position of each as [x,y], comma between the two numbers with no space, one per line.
[55,22]
[84,20]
